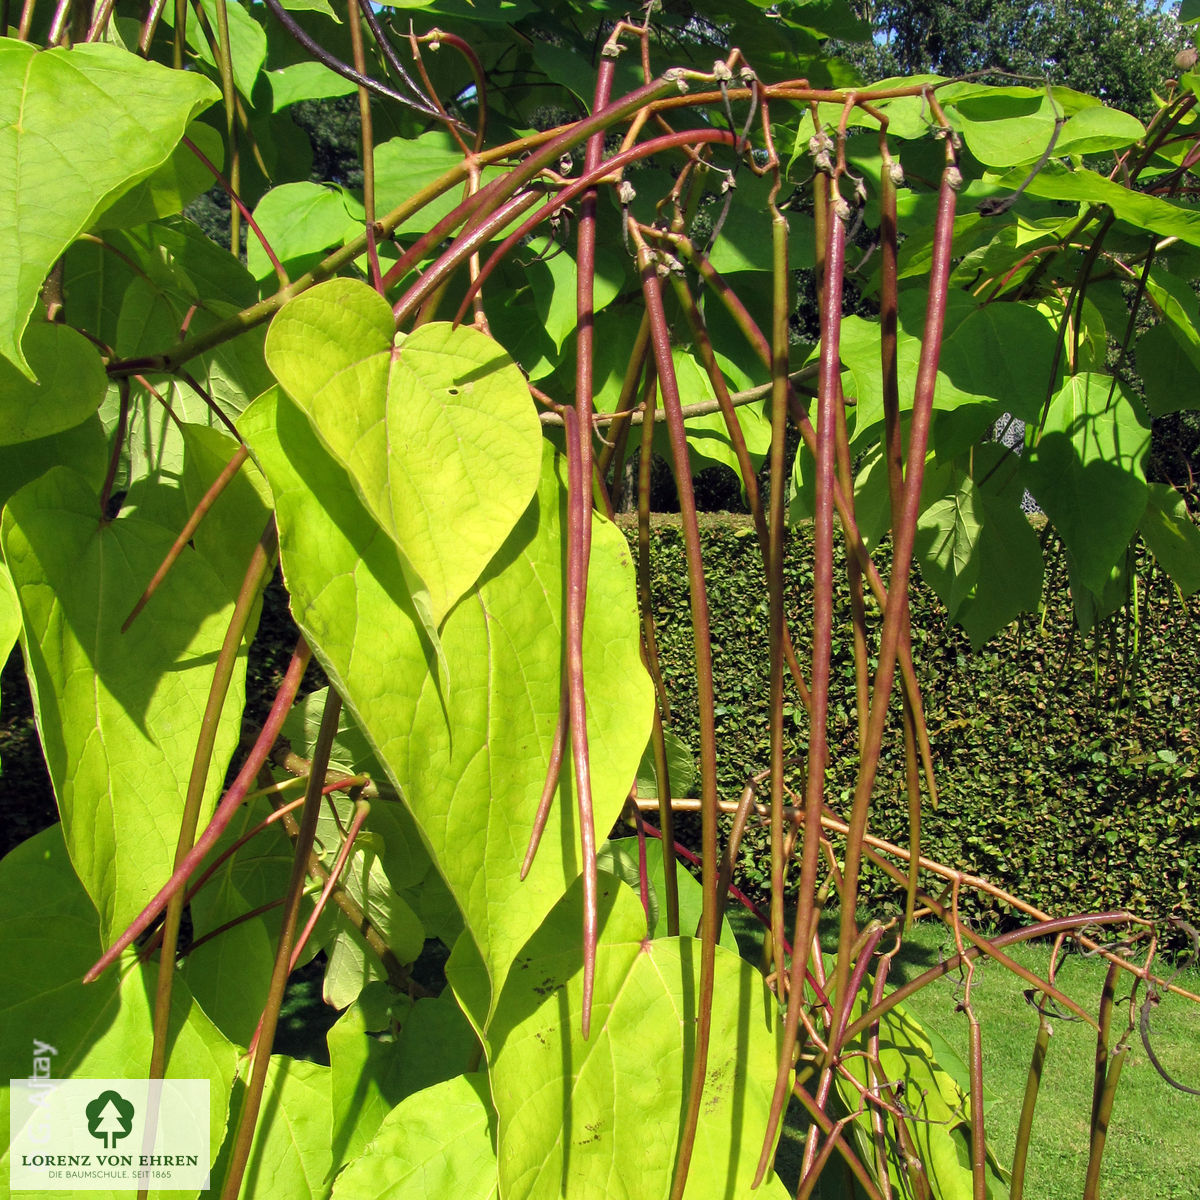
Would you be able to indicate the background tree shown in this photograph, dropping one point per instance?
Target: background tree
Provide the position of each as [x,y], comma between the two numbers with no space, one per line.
[1119,50]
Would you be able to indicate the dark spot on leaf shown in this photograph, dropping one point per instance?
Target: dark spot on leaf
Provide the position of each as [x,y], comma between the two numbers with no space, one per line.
[715,1088]
[593,1128]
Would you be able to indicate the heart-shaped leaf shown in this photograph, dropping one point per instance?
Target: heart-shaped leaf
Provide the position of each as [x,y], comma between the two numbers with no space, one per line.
[568,1109]
[1087,472]
[71,385]
[487,742]
[117,713]
[436,429]
[49,936]
[437,1142]
[77,129]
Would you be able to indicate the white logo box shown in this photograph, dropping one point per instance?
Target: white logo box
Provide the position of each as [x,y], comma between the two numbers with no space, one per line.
[108,1134]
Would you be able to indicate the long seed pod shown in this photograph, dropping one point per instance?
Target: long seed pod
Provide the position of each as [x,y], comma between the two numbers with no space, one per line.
[889,315]
[902,553]
[978,1136]
[669,389]
[778,626]
[754,336]
[1033,1082]
[662,711]
[579,539]
[1106,1075]
[726,406]
[822,654]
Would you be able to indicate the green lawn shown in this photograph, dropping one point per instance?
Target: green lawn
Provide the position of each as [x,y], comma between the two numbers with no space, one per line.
[1153,1150]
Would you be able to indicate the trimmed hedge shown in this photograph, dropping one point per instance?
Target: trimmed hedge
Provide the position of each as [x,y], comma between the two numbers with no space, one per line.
[1056,782]
[1052,784]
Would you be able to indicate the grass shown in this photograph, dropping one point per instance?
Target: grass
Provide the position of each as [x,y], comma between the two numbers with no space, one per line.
[1153,1147]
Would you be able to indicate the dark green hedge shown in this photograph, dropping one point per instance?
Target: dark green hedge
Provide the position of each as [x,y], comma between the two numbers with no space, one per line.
[1056,784]
[1063,779]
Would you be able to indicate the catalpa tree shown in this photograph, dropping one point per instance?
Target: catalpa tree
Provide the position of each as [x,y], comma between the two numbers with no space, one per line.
[578,236]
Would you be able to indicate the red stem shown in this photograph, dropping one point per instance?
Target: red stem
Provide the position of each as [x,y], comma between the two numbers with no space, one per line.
[236,200]
[585,183]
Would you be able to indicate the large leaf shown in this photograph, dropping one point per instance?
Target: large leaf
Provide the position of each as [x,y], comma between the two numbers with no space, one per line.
[77,129]
[351,965]
[70,385]
[437,429]
[834,18]
[48,938]
[372,1074]
[860,355]
[681,767]
[1010,555]
[437,1142]
[1169,369]
[1004,127]
[745,240]
[975,545]
[572,1112]
[404,166]
[85,447]
[1091,605]
[1172,536]
[708,435]
[181,259]
[174,259]
[531,302]
[473,793]
[290,1154]
[300,222]
[1087,473]
[306,81]
[1002,352]
[1168,354]
[175,184]
[1162,217]
[118,713]
[1175,300]
[948,531]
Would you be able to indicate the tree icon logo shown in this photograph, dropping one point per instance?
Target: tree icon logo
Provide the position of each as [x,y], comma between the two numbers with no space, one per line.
[109,1118]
